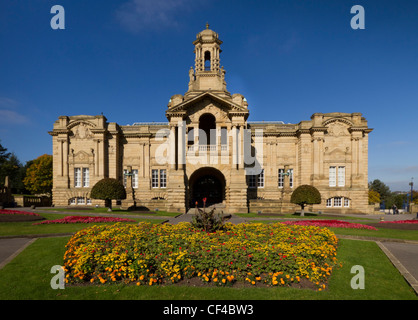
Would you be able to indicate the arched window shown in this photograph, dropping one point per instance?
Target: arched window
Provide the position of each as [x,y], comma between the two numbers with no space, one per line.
[207,61]
[207,124]
[338,202]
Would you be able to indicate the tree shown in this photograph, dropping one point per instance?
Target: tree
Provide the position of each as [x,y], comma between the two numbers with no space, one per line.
[108,189]
[380,188]
[4,157]
[38,178]
[374,197]
[3,154]
[305,194]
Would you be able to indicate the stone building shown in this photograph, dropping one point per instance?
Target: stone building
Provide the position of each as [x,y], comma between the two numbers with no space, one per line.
[209,149]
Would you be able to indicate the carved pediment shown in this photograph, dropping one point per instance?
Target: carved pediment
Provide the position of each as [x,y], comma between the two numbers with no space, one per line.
[81,157]
[337,129]
[81,130]
[207,98]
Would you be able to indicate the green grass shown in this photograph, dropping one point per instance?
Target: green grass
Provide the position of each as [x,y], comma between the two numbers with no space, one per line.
[28,277]
[114,211]
[27,228]
[308,216]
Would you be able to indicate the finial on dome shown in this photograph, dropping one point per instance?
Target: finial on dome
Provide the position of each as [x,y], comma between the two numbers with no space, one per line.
[207,25]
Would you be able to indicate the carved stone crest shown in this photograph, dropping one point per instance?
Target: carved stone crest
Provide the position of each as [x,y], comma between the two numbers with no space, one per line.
[337,129]
[82,132]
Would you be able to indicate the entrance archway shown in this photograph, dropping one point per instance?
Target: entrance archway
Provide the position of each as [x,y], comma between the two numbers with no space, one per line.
[206,183]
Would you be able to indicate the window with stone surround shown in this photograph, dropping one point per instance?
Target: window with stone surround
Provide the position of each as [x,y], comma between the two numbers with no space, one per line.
[281,178]
[77,177]
[86,177]
[252,181]
[260,179]
[154,178]
[341,176]
[332,176]
[163,178]
[81,177]
[336,176]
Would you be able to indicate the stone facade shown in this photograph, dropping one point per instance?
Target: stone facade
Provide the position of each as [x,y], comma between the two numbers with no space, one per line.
[209,149]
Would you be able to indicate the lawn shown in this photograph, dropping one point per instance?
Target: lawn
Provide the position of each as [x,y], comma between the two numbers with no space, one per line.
[28,277]
[27,228]
[114,211]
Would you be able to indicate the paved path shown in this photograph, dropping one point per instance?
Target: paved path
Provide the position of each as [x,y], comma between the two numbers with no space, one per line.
[404,256]
[10,248]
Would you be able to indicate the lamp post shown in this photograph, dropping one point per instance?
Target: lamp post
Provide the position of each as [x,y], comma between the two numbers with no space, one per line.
[412,186]
[129,174]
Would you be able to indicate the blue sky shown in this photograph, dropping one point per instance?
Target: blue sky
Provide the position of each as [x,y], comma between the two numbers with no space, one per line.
[290,59]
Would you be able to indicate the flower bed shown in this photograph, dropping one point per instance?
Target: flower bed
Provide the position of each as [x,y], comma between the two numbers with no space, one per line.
[330,223]
[148,254]
[401,222]
[27,213]
[85,219]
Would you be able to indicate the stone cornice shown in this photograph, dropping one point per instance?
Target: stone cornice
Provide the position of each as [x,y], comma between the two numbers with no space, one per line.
[56,132]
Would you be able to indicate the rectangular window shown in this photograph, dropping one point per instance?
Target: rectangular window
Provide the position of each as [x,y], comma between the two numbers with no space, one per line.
[291,178]
[346,202]
[163,178]
[281,178]
[252,179]
[72,201]
[86,177]
[154,178]
[329,202]
[77,177]
[337,202]
[332,176]
[260,179]
[125,177]
[135,178]
[341,176]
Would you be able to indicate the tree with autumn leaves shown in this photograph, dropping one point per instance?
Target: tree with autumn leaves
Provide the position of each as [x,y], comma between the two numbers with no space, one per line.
[38,178]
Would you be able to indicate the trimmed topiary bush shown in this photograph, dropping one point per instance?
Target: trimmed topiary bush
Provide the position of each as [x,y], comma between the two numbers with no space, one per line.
[305,194]
[108,189]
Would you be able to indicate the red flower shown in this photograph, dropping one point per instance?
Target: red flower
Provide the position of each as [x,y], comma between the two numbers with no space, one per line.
[204,200]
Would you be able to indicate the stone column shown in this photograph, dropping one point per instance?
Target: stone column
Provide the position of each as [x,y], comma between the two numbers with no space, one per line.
[181,146]
[172,153]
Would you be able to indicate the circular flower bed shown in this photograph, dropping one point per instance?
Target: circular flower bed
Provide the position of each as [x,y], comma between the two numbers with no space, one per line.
[84,219]
[331,223]
[148,254]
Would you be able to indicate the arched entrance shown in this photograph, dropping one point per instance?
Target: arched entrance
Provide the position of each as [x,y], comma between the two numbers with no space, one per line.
[206,183]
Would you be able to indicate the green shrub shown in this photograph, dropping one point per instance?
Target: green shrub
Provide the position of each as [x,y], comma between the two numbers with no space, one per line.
[305,194]
[108,189]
